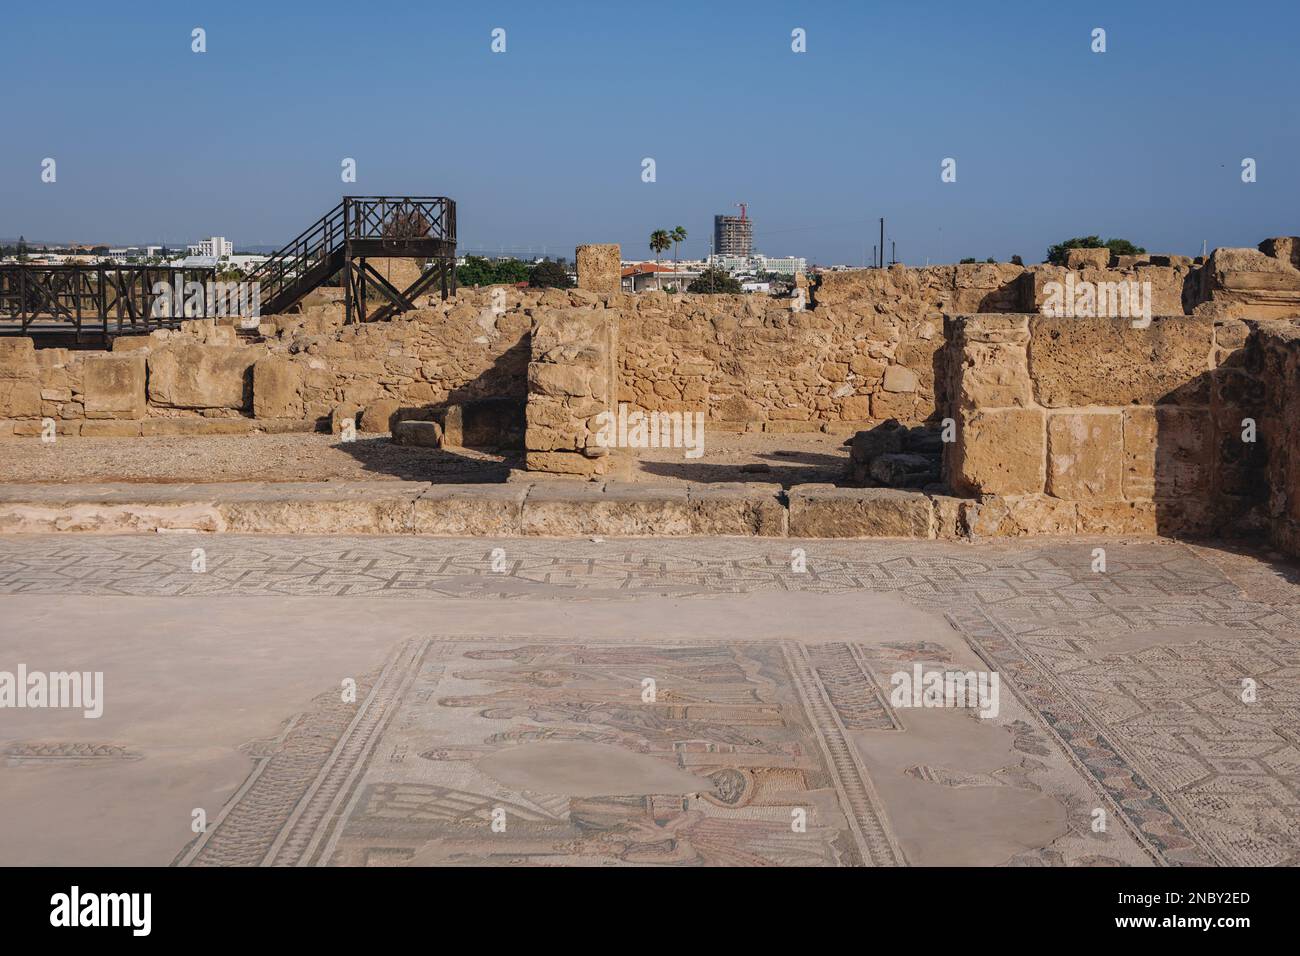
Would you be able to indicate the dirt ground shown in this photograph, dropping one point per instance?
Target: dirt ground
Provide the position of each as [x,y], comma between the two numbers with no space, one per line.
[787,459]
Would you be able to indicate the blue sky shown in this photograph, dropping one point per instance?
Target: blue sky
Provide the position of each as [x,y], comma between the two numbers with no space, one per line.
[542,146]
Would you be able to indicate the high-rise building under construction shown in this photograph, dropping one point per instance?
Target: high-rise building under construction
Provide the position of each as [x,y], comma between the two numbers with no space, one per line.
[733,235]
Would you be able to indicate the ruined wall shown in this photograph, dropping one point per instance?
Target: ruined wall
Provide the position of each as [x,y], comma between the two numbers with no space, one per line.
[1277,346]
[868,348]
[1094,426]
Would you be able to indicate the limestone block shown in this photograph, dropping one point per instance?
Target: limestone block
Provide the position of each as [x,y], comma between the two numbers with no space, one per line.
[1015,516]
[171,427]
[1000,451]
[1076,362]
[470,510]
[599,268]
[18,359]
[900,405]
[899,378]
[1085,454]
[110,429]
[564,463]
[1166,452]
[825,511]
[377,417]
[1087,258]
[114,386]
[994,375]
[277,388]
[191,375]
[19,399]
[560,380]
[343,413]
[1117,517]
[855,408]
[418,434]
[737,508]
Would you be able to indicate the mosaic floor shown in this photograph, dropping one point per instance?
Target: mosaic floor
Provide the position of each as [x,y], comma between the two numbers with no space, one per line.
[1123,693]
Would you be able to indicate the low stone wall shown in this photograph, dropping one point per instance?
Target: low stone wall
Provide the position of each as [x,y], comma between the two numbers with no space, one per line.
[1094,426]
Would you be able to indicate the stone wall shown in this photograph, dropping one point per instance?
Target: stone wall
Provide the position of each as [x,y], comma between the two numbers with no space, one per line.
[868,348]
[1094,426]
[1277,345]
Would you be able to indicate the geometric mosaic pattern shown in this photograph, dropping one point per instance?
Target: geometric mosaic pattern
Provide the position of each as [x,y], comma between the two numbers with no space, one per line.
[1197,775]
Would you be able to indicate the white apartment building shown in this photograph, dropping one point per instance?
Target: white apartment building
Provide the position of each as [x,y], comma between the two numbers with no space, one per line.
[218,247]
[738,265]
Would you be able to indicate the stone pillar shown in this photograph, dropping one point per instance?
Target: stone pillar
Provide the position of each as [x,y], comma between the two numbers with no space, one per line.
[600,268]
[1000,445]
[572,379]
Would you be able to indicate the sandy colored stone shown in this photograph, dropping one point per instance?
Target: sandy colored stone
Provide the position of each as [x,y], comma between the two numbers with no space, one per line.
[1166,452]
[470,510]
[599,267]
[114,386]
[994,375]
[825,511]
[418,434]
[999,516]
[899,378]
[18,358]
[188,375]
[341,414]
[277,388]
[563,463]
[1085,454]
[110,429]
[377,417]
[19,399]
[1087,258]
[736,508]
[1000,451]
[1076,362]
[182,427]
[1117,517]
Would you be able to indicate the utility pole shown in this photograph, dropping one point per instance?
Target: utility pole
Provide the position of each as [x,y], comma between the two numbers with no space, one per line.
[893,252]
[882,242]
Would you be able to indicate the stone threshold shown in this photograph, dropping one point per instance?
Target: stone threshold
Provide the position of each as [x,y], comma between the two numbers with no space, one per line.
[540,508]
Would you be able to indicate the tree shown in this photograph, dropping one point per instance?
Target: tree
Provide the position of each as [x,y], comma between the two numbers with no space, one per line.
[678,236]
[714,281]
[549,275]
[478,271]
[1118,247]
[22,249]
[1122,247]
[659,242]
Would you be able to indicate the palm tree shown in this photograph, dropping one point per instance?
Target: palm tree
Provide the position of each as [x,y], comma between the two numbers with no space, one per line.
[678,236]
[659,241]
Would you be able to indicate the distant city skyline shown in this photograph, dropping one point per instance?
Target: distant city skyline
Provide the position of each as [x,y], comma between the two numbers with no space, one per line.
[542,146]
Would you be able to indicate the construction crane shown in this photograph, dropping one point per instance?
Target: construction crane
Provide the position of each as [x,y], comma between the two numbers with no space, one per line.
[742,209]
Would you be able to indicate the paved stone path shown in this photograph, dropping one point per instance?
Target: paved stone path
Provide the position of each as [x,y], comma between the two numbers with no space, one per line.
[503,715]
